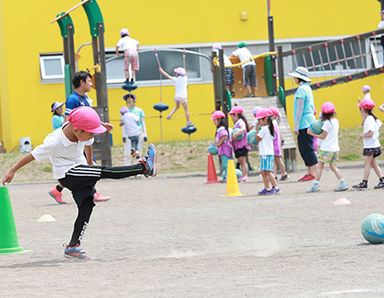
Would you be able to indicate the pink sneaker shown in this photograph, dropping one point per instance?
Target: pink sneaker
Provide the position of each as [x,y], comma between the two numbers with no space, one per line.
[57,195]
[99,198]
[243,179]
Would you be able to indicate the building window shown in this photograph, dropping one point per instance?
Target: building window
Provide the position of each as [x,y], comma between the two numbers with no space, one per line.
[51,66]
[149,67]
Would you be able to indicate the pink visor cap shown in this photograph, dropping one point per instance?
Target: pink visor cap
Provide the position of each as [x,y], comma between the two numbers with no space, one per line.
[255,110]
[217,115]
[262,113]
[328,107]
[180,71]
[366,88]
[86,118]
[124,110]
[367,104]
[216,46]
[275,111]
[236,110]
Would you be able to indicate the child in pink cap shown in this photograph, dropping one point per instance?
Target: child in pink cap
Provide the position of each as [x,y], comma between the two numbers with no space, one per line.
[265,135]
[329,147]
[222,140]
[241,146]
[372,147]
[181,96]
[277,145]
[64,147]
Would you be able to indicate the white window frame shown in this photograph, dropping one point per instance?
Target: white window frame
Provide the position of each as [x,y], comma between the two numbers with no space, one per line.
[43,58]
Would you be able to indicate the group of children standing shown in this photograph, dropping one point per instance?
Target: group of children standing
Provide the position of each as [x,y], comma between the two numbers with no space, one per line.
[267,135]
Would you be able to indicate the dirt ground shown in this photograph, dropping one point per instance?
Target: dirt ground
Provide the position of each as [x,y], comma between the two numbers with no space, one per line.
[178,237]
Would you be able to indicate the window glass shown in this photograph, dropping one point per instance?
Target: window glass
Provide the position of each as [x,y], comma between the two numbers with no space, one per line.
[52,66]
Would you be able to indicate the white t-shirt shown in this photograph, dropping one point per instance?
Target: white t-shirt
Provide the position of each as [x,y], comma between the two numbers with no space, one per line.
[331,142]
[62,153]
[181,83]
[381,25]
[371,125]
[266,144]
[367,96]
[244,54]
[131,124]
[127,43]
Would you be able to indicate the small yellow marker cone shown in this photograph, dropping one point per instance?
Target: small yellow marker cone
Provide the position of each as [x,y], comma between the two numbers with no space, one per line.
[232,184]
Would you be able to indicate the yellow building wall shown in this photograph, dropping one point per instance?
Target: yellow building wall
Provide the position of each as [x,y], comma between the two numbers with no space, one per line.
[25,32]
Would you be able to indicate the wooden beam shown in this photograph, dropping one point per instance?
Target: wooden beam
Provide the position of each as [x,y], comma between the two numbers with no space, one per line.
[69,11]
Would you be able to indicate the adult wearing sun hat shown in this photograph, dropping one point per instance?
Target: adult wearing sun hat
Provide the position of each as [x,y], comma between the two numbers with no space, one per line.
[303,115]
[249,68]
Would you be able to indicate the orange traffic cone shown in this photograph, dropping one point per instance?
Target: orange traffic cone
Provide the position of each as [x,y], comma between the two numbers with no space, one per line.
[211,172]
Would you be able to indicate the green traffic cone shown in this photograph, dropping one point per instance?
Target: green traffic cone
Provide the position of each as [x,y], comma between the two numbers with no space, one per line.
[8,236]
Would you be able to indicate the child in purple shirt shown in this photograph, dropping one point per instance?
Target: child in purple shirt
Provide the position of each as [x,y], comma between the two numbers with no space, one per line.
[222,141]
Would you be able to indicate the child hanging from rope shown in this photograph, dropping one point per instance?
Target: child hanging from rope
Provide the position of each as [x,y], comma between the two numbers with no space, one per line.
[181,83]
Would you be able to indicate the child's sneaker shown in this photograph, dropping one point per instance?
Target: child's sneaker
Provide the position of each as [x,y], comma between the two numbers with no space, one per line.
[315,188]
[190,123]
[275,190]
[75,252]
[380,185]
[360,186]
[97,197]
[150,161]
[284,177]
[57,195]
[243,179]
[264,192]
[341,187]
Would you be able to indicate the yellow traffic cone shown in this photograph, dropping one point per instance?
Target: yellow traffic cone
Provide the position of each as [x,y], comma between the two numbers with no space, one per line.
[232,184]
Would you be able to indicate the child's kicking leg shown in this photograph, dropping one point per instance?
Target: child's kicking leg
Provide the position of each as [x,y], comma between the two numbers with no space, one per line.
[342,184]
[177,106]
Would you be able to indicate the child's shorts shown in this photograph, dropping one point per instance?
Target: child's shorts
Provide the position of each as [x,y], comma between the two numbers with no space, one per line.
[372,151]
[182,100]
[241,152]
[326,156]
[229,77]
[266,162]
[131,57]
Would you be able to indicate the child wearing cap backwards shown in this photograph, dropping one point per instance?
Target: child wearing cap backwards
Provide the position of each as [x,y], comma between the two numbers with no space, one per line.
[241,146]
[222,140]
[181,83]
[58,117]
[130,47]
[130,122]
[64,147]
[329,147]
[371,143]
[277,144]
[265,136]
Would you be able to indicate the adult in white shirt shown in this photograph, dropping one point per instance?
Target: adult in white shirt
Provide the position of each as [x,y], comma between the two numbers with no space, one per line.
[249,68]
[130,47]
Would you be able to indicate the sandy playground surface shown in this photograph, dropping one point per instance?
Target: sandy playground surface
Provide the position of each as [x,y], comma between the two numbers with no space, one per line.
[177,237]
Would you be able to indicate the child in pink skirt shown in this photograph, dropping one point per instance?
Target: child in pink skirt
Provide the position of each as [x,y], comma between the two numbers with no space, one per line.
[277,145]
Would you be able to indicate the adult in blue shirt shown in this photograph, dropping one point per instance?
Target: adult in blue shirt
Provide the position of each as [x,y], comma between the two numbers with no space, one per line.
[303,115]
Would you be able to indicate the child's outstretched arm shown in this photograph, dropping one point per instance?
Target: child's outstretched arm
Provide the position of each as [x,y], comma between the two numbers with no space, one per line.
[164,73]
[21,163]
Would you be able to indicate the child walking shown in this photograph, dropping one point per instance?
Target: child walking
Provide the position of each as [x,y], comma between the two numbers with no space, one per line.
[222,141]
[181,83]
[371,143]
[130,47]
[265,136]
[241,146]
[277,144]
[329,147]
[64,147]
[57,117]
[129,121]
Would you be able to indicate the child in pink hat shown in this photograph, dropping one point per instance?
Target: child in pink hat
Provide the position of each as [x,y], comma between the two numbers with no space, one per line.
[265,135]
[329,147]
[372,147]
[222,140]
[181,97]
[64,147]
[277,145]
[241,146]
